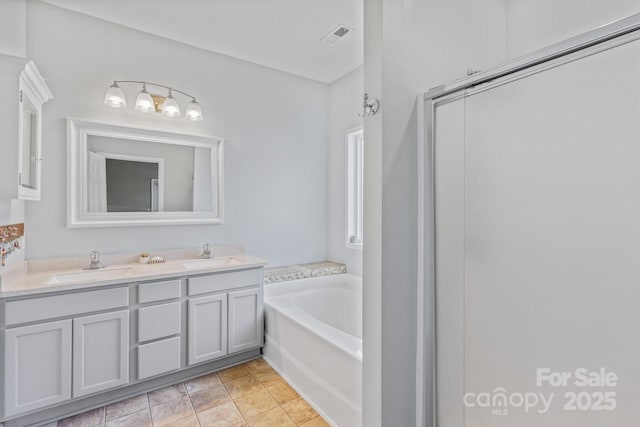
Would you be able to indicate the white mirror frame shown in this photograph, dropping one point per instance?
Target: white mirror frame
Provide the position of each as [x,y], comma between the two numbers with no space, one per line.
[77,213]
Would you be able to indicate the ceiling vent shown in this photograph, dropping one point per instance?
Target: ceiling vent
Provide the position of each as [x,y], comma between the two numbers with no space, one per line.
[336,34]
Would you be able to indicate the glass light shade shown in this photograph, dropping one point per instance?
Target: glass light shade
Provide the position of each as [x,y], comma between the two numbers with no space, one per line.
[115,97]
[144,102]
[170,107]
[194,112]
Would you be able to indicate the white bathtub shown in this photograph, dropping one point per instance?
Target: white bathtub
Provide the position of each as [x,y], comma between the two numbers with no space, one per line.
[314,340]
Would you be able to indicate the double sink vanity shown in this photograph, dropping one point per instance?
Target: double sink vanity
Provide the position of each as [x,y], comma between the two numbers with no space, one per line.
[76,338]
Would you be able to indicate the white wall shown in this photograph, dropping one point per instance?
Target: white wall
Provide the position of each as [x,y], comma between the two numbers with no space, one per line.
[372,250]
[423,44]
[533,25]
[13,28]
[275,127]
[345,102]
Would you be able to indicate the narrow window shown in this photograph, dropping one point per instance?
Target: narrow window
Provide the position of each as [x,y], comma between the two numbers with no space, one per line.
[355,165]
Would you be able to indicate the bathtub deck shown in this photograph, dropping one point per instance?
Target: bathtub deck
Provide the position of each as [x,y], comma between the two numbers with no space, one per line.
[249,394]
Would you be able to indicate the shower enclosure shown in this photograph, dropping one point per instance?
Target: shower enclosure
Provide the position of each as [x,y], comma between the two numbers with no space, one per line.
[530,244]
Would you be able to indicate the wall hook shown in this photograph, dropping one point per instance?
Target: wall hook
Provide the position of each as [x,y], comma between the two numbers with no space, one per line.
[369,107]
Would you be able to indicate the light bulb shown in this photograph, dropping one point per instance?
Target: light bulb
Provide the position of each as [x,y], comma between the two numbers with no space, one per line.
[115,96]
[194,112]
[170,106]
[144,102]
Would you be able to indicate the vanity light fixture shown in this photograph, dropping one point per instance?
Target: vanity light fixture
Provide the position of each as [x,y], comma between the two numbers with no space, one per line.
[194,112]
[144,102]
[170,107]
[148,102]
[115,96]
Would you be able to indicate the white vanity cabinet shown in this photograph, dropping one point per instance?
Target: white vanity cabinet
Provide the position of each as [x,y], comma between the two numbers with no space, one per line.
[229,318]
[21,128]
[62,351]
[37,366]
[53,361]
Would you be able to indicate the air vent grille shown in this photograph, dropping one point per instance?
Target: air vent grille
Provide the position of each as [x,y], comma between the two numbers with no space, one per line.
[340,32]
[336,34]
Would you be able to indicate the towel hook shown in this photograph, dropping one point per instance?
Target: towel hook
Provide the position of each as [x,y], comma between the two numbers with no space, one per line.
[369,107]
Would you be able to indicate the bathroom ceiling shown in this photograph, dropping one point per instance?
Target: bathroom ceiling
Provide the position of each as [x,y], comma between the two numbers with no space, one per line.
[281,34]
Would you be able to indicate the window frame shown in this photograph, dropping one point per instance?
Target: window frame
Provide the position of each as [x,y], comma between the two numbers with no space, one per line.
[354,187]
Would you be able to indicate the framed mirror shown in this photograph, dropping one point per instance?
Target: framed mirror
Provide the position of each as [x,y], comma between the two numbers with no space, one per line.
[126,176]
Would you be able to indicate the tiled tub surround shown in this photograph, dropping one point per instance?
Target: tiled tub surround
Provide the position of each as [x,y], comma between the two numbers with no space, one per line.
[110,339]
[302,271]
[249,394]
[313,338]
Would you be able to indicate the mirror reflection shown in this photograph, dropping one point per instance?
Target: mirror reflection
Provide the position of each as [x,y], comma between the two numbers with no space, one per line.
[142,176]
[29,147]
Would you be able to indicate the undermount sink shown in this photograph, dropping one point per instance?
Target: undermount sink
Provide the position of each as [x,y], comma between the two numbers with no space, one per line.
[211,263]
[100,274]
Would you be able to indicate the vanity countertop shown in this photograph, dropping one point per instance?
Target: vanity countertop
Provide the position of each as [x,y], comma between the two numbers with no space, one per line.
[24,283]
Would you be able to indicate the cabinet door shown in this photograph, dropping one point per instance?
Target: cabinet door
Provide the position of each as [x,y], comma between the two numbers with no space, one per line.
[207,328]
[245,319]
[33,93]
[100,352]
[37,366]
[30,146]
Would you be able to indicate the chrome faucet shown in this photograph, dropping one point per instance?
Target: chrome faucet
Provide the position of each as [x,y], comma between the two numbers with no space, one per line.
[95,261]
[206,252]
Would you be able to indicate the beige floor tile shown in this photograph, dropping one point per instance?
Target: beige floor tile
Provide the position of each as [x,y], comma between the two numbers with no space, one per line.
[166,413]
[255,403]
[202,383]
[282,392]
[257,364]
[233,373]
[275,417]
[137,419]
[267,376]
[127,406]
[243,386]
[167,394]
[210,398]
[299,411]
[316,422]
[91,418]
[226,415]
[190,421]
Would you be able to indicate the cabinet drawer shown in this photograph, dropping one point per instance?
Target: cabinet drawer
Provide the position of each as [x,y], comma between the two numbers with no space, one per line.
[224,281]
[158,357]
[158,321]
[158,291]
[37,309]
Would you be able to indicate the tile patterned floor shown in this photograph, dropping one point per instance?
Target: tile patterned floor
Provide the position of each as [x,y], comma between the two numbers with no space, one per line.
[251,394]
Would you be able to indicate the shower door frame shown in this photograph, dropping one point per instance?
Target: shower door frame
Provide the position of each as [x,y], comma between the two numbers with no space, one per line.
[603,38]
